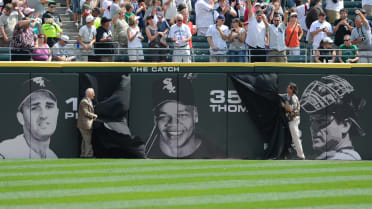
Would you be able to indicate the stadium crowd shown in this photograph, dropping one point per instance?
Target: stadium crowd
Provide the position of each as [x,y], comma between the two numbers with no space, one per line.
[235,30]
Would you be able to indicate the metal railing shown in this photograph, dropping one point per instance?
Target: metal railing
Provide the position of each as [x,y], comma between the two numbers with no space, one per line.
[195,54]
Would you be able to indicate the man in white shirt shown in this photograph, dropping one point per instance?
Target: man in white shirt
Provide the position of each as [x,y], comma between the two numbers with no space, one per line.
[256,36]
[277,38]
[87,37]
[180,35]
[320,29]
[5,30]
[205,15]
[302,10]
[367,5]
[361,37]
[217,35]
[59,51]
[333,8]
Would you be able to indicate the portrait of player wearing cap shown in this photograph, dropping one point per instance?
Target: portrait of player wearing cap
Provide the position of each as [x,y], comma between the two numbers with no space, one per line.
[37,114]
[175,120]
[333,108]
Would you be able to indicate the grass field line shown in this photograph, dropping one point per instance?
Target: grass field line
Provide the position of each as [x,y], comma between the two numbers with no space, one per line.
[152,168]
[337,206]
[125,177]
[196,200]
[50,164]
[179,187]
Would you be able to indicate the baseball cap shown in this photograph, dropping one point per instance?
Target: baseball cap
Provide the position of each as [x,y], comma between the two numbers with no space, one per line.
[89,18]
[33,86]
[293,14]
[105,20]
[28,11]
[257,4]
[221,17]
[172,88]
[65,38]
[327,40]
[96,9]
[52,2]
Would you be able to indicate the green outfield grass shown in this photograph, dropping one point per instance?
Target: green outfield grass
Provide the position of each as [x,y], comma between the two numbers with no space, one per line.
[197,184]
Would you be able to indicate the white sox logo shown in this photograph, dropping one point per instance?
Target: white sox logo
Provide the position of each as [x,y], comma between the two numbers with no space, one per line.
[169,85]
[39,80]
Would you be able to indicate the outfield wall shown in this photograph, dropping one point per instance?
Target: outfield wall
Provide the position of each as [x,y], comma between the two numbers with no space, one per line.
[222,119]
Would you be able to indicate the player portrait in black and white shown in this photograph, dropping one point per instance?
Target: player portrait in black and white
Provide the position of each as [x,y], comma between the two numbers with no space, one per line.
[176,117]
[333,109]
[37,114]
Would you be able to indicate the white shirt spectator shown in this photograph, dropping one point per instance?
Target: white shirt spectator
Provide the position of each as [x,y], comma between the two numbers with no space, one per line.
[277,37]
[136,42]
[366,2]
[217,39]
[171,10]
[178,33]
[334,6]
[4,23]
[256,35]
[316,25]
[205,15]
[106,4]
[87,34]
[61,51]
[301,13]
[364,31]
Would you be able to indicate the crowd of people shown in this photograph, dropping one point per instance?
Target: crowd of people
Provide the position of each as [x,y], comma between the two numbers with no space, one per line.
[236,30]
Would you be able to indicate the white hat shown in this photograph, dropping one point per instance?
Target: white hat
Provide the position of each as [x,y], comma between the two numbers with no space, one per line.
[65,38]
[293,14]
[89,18]
[257,4]
[137,17]
[28,11]
[327,40]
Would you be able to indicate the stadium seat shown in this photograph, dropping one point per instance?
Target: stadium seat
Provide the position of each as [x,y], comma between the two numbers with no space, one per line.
[4,54]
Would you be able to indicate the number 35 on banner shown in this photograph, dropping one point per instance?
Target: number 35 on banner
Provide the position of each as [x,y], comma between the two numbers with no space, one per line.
[73,114]
[222,102]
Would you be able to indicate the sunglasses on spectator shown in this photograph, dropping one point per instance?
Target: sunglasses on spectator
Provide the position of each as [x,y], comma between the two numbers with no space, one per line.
[179,20]
[276,20]
[347,40]
[52,6]
[42,37]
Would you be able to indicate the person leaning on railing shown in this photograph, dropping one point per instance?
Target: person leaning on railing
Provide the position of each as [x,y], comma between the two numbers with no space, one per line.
[236,38]
[42,51]
[154,37]
[325,53]
[294,34]
[180,35]
[60,50]
[135,38]
[349,53]
[23,41]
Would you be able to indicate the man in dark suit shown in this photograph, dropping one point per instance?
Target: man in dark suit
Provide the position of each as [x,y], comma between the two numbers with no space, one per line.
[85,121]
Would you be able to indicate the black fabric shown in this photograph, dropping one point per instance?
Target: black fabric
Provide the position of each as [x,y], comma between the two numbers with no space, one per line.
[21,54]
[325,55]
[100,34]
[259,93]
[112,105]
[341,32]
[258,54]
[313,14]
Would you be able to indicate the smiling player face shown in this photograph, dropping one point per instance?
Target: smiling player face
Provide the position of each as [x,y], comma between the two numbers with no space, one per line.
[176,123]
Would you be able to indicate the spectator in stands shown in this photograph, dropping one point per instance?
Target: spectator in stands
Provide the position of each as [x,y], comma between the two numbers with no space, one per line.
[294,34]
[88,6]
[51,30]
[257,6]
[349,53]
[154,37]
[38,5]
[97,19]
[226,10]
[333,8]
[217,35]
[170,10]
[365,15]
[16,15]
[68,10]
[361,36]
[367,5]
[129,11]
[312,16]
[256,35]
[76,12]
[193,28]
[37,24]
[86,39]
[104,40]
[342,27]
[163,26]
[52,12]
[205,16]
[23,41]
[302,10]
[60,51]
[320,29]
[325,53]
[153,8]
[42,51]
[180,35]
[5,30]
[106,4]
[276,9]
[135,38]
[139,10]
[276,39]
[236,38]
[115,8]
[121,31]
